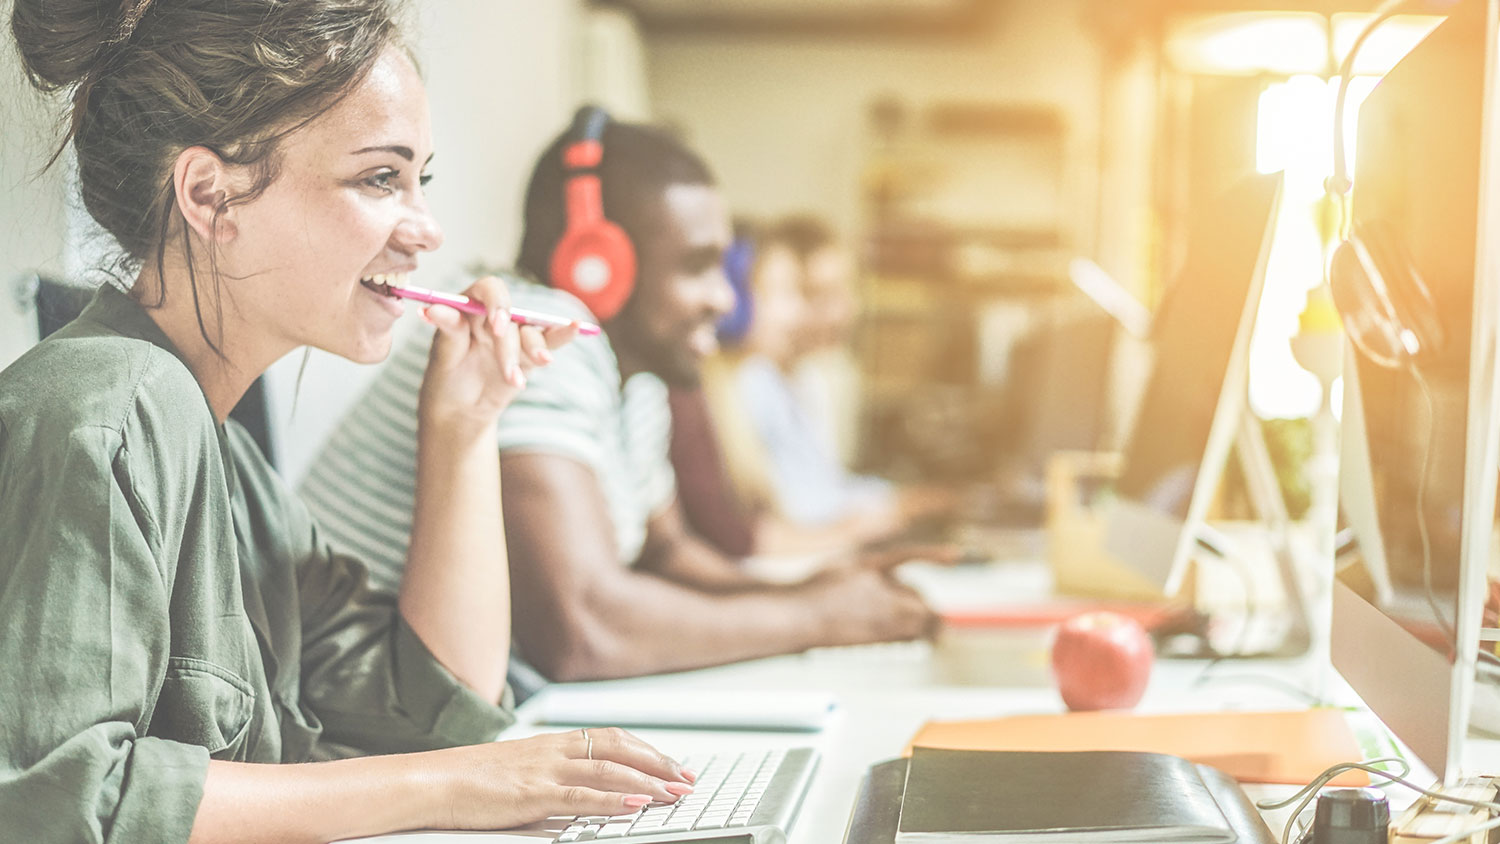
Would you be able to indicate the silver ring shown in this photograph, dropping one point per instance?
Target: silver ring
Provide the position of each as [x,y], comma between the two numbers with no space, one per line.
[588,745]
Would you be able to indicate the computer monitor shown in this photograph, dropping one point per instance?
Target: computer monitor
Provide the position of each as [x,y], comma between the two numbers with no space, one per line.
[1417,481]
[1058,392]
[1195,396]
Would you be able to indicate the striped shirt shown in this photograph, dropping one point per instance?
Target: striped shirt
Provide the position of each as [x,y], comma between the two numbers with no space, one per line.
[361,487]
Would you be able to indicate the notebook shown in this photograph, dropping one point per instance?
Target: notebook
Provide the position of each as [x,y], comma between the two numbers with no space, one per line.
[964,796]
[1291,747]
[877,808]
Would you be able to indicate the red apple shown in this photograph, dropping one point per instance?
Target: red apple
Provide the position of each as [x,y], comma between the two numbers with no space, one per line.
[1102,660]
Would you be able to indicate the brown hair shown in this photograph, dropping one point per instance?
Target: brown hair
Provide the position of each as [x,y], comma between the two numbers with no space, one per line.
[151,78]
[804,234]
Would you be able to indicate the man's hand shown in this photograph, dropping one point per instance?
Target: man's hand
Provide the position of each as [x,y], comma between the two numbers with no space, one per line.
[862,605]
[886,556]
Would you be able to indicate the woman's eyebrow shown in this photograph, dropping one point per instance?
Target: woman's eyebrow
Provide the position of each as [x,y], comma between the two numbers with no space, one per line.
[399,149]
[403,151]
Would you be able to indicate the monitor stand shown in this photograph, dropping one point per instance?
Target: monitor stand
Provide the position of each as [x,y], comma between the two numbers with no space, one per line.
[1270,507]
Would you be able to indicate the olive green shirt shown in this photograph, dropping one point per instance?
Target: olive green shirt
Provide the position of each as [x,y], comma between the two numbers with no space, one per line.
[164,599]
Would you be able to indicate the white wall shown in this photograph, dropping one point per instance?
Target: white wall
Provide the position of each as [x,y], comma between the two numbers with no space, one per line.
[502,80]
[783,120]
[503,77]
[32,217]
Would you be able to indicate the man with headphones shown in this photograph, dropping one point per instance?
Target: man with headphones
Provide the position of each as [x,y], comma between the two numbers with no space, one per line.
[627,228]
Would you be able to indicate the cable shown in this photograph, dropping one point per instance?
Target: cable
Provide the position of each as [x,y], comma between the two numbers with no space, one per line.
[1305,794]
[1449,631]
[1339,184]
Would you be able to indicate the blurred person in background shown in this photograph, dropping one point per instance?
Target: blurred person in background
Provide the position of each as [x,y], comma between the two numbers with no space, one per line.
[791,472]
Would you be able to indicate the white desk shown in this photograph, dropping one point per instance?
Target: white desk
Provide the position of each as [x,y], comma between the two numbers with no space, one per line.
[886,693]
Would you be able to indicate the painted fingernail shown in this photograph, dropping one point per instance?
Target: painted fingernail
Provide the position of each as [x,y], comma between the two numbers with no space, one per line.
[516,377]
[678,789]
[544,356]
[689,774]
[636,801]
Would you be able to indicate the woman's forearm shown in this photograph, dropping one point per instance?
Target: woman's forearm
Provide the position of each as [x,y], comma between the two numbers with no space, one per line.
[316,802]
[456,590]
[494,785]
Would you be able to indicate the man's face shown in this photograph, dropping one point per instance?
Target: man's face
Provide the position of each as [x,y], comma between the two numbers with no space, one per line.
[668,326]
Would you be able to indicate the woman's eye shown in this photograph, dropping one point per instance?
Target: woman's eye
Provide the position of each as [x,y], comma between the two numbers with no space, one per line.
[424,179]
[383,180]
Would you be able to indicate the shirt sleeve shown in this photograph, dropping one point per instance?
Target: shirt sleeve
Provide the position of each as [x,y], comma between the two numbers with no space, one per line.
[366,675]
[84,638]
[566,401]
[369,678]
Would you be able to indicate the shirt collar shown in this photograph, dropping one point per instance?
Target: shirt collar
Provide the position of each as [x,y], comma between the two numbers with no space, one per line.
[116,310]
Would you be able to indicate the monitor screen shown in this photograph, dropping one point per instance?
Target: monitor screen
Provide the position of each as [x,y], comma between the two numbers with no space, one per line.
[1193,338]
[1187,416]
[1409,426]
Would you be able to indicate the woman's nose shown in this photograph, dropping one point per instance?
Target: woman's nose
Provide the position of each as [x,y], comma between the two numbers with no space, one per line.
[420,232]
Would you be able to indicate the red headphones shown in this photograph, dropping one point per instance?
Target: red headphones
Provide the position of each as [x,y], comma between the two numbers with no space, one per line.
[594,260]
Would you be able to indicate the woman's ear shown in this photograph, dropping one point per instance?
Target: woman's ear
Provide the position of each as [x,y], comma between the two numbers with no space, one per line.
[203,186]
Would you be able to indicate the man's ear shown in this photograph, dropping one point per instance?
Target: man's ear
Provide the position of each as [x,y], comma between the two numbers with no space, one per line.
[203,184]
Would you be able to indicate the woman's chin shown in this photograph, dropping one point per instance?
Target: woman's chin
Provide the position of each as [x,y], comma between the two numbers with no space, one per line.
[368,349]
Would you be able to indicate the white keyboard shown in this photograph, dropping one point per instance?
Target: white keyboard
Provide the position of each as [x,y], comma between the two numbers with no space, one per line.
[734,792]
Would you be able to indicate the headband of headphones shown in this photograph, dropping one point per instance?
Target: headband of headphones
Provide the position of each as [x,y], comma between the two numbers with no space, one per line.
[594,259]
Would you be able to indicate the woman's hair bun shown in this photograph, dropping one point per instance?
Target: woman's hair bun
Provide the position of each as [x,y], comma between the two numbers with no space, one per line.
[60,40]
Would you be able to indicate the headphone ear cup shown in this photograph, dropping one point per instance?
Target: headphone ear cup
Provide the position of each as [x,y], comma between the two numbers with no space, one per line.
[594,259]
[1387,307]
[596,263]
[1368,316]
[1411,299]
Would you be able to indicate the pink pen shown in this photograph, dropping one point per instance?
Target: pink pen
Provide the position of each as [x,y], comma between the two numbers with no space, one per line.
[521,316]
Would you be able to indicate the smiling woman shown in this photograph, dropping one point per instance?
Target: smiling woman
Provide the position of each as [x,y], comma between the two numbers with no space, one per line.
[177,639]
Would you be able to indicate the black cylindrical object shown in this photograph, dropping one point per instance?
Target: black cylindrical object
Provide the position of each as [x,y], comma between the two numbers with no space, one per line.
[1351,816]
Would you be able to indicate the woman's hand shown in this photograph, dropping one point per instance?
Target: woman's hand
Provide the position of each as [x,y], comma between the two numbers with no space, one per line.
[512,783]
[479,363]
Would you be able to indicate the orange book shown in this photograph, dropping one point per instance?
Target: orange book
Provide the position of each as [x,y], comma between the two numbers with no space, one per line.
[1267,747]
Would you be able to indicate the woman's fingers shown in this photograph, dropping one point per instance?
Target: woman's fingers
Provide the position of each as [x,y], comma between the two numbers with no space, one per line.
[605,775]
[617,745]
[534,347]
[497,326]
[492,293]
[559,337]
[582,800]
[446,320]
[508,351]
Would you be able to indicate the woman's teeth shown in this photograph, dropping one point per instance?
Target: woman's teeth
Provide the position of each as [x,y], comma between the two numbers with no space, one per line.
[384,280]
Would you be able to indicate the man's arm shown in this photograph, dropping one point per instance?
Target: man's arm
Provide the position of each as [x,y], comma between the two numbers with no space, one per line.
[579,614]
[673,552]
